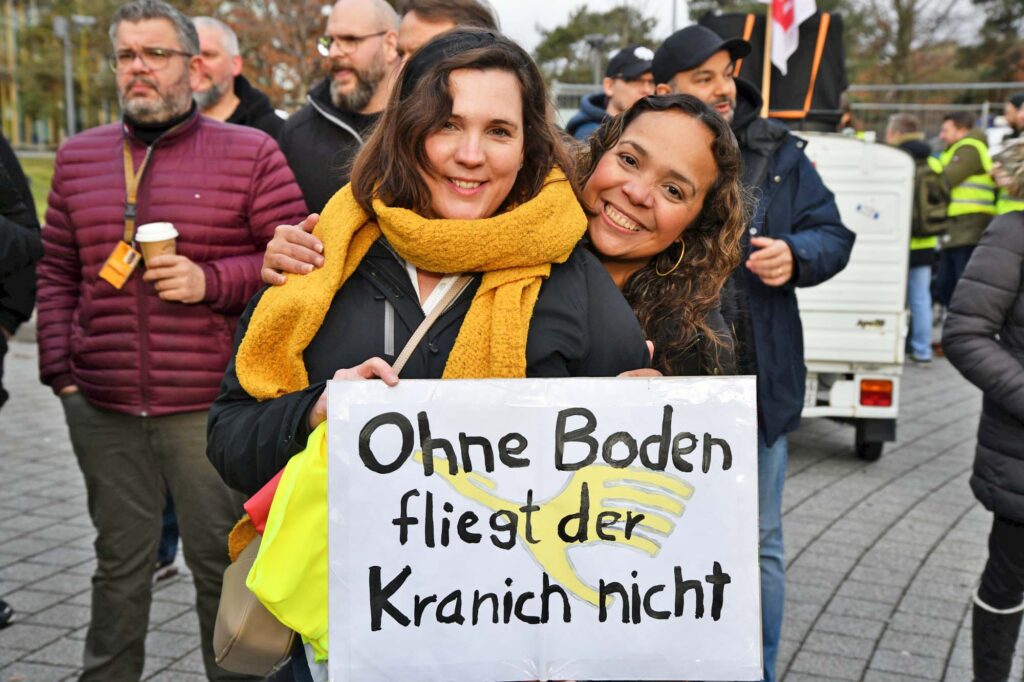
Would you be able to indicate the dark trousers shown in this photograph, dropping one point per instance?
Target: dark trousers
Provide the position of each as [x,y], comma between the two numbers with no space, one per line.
[125,461]
[1002,583]
[999,604]
[952,263]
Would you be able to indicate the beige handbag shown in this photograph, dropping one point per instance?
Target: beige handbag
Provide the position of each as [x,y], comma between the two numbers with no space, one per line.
[247,638]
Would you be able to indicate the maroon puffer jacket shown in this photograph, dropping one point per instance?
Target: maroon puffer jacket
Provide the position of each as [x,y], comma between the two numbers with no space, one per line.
[225,188]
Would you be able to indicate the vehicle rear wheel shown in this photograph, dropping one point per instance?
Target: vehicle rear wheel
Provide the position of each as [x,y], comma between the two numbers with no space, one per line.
[869,452]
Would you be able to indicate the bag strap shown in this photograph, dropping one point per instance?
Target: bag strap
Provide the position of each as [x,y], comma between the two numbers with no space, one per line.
[457,288]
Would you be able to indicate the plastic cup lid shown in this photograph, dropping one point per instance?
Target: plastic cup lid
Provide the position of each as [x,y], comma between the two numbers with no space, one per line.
[155,232]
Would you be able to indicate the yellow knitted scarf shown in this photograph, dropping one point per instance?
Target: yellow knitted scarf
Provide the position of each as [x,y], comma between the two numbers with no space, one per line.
[514,250]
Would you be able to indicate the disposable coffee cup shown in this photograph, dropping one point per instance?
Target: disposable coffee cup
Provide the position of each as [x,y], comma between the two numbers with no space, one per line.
[156,239]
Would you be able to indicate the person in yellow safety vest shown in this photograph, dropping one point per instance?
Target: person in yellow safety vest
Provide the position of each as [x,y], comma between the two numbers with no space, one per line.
[904,132]
[965,168]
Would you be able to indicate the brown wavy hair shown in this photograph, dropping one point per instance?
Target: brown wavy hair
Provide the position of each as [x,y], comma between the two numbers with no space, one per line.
[392,163]
[673,309]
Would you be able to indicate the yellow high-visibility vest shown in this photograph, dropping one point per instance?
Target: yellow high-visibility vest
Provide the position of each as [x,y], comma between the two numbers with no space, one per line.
[976,194]
[921,243]
[1007,204]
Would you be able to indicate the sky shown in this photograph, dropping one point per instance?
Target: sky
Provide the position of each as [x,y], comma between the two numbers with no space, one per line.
[520,17]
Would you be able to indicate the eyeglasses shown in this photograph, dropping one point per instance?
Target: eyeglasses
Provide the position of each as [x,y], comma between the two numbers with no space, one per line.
[153,58]
[346,44]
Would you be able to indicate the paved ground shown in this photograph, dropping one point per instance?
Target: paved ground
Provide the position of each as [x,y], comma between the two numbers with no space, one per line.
[882,556]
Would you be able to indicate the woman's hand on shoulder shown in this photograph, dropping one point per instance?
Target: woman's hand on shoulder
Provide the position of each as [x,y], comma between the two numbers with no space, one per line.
[374,368]
[292,250]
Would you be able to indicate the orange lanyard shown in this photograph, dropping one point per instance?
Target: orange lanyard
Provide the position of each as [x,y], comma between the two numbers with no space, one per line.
[132,178]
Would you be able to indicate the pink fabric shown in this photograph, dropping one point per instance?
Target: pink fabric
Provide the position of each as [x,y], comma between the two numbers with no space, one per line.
[258,506]
[225,188]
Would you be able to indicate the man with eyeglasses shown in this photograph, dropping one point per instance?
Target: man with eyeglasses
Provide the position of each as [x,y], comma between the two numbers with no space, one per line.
[136,350]
[321,139]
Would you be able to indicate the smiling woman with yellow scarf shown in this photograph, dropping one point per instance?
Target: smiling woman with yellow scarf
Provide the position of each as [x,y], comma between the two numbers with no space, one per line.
[463,176]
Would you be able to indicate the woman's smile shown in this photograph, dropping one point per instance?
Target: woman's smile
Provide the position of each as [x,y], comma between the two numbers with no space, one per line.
[620,219]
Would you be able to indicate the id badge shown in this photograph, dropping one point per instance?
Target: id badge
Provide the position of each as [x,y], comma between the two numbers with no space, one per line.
[120,265]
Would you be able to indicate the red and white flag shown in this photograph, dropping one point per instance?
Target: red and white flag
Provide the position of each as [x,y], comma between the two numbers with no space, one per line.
[787,15]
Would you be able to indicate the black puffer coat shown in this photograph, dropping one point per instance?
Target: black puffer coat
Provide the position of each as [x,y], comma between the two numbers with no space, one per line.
[984,339]
[581,326]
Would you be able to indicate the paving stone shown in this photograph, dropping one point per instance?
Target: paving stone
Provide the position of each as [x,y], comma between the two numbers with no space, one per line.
[154,664]
[840,645]
[907,663]
[33,601]
[885,594]
[64,652]
[849,625]
[61,615]
[64,583]
[912,643]
[34,672]
[933,606]
[847,606]
[28,637]
[170,644]
[924,625]
[176,676]
[190,663]
[828,666]
[186,623]
[958,675]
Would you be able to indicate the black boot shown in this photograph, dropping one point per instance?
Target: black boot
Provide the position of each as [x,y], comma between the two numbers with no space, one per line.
[6,614]
[993,638]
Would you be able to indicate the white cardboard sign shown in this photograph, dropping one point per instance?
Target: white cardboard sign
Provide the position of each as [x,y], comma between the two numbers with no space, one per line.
[577,529]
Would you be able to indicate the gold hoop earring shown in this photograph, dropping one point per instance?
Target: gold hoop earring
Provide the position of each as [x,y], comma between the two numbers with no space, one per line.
[682,250]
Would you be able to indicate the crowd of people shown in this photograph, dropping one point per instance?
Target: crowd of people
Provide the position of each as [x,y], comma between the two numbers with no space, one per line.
[424,185]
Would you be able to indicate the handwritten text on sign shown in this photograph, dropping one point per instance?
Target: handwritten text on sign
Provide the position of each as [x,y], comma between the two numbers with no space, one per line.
[594,529]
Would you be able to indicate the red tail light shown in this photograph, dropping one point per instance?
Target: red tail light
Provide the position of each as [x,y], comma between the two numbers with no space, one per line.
[876,392]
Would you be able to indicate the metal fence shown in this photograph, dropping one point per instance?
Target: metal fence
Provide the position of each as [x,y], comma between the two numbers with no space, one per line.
[873,104]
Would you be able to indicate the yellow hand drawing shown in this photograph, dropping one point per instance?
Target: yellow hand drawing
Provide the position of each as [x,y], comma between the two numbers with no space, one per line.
[609,489]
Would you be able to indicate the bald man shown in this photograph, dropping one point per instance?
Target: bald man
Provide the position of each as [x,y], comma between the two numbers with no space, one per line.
[360,44]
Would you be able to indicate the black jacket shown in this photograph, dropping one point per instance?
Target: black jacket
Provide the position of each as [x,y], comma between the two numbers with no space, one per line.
[20,247]
[254,109]
[320,141]
[581,326]
[984,339]
[790,203]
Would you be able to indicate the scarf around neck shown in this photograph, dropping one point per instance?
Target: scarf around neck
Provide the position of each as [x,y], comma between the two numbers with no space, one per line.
[514,250]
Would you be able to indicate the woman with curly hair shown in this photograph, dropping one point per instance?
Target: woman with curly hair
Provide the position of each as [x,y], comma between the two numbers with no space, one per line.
[661,189]
[660,185]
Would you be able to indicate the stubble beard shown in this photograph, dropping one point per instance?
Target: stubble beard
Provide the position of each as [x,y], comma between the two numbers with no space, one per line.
[174,102]
[209,98]
[367,82]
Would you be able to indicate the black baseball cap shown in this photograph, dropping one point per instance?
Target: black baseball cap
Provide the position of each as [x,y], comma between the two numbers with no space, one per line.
[630,63]
[690,47]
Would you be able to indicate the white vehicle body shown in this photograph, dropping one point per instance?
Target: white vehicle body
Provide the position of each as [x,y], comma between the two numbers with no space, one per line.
[855,324]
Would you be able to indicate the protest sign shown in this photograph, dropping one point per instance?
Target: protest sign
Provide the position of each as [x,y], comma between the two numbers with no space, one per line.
[576,529]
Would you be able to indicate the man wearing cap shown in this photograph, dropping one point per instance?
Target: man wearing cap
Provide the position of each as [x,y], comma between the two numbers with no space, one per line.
[795,238]
[627,79]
